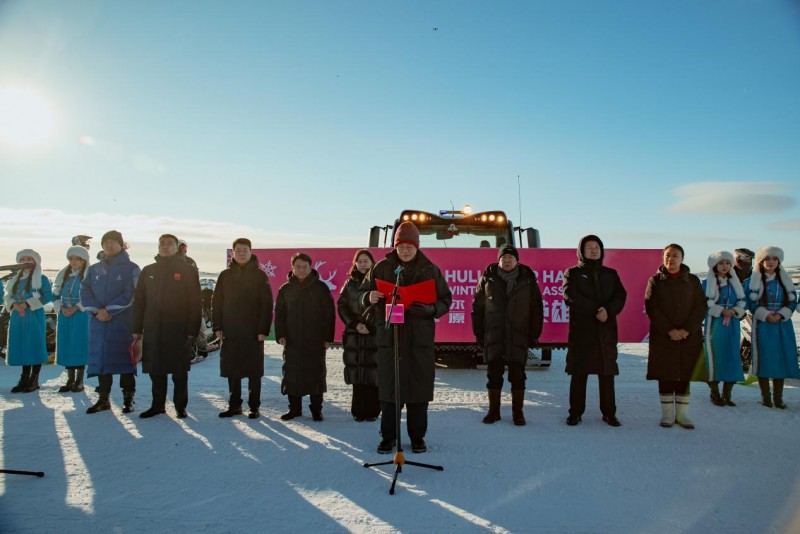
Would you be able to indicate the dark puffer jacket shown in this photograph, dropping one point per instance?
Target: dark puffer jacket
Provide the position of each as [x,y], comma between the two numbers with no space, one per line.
[360,366]
[166,310]
[589,286]
[674,303]
[305,317]
[242,309]
[418,361]
[507,325]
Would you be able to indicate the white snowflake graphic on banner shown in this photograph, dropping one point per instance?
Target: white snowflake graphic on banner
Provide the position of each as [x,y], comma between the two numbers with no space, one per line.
[268,268]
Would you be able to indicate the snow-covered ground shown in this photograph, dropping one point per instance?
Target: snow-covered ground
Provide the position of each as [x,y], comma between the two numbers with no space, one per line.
[109,472]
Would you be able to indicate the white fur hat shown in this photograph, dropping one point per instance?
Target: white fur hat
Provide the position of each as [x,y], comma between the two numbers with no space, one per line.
[715,257]
[711,288]
[36,277]
[78,251]
[763,252]
[756,287]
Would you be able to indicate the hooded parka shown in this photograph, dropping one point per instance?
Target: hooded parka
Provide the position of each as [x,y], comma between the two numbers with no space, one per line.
[507,324]
[674,303]
[166,311]
[416,339]
[242,309]
[305,318]
[589,286]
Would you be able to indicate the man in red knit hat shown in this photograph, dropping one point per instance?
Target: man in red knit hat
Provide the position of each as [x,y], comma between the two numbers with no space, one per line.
[415,336]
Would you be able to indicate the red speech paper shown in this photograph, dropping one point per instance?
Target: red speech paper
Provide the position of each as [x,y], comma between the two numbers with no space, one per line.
[424,292]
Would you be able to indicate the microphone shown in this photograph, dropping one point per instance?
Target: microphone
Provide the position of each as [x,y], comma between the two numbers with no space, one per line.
[399,269]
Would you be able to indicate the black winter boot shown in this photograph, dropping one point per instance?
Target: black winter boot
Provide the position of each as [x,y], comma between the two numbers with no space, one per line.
[70,381]
[78,387]
[517,400]
[763,384]
[727,387]
[101,405]
[33,381]
[295,408]
[23,380]
[127,401]
[716,399]
[494,407]
[777,395]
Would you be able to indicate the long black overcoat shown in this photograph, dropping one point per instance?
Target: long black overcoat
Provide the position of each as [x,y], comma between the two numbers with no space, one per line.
[674,303]
[166,311]
[242,309]
[305,317]
[507,325]
[358,354]
[416,338]
[592,345]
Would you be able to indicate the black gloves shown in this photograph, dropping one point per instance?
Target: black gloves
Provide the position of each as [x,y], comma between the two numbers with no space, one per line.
[422,310]
[189,346]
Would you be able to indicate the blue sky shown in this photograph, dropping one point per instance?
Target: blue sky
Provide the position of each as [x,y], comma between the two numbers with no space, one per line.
[302,124]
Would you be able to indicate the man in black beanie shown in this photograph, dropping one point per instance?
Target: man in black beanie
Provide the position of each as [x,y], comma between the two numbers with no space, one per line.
[507,318]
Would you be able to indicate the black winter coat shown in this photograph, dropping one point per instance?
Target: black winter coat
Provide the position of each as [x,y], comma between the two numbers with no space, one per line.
[360,365]
[507,325]
[242,309]
[166,310]
[674,303]
[305,317]
[418,360]
[592,345]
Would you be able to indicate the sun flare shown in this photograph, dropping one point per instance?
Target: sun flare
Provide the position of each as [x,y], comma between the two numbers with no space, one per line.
[26,118]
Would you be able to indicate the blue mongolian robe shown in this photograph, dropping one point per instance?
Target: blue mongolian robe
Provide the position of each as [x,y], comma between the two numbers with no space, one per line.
[27,334]
[722,334]
[72,337]
[774,344]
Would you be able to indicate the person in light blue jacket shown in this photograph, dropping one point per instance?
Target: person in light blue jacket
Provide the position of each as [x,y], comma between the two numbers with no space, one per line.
[107,295]
[772,301]
[72,337]
[25,296]
[726,307]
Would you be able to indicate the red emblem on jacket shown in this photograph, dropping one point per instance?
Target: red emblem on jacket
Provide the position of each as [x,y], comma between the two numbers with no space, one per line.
[176,276]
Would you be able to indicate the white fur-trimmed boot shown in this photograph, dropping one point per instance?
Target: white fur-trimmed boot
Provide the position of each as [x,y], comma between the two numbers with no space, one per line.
[682,411]
[667,410]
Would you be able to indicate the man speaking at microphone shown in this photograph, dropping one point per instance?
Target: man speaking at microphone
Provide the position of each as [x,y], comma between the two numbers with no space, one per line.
[419,279]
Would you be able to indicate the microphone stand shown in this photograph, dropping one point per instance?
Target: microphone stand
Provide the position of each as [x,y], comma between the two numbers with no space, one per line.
[399,458]
[14,268]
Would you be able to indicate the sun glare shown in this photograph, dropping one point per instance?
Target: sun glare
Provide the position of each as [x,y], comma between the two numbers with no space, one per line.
[26,118]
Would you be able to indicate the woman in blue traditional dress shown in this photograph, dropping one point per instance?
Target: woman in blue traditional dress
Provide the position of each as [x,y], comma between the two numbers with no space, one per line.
[25,296]
[72,338]
[726,307]
[772,300]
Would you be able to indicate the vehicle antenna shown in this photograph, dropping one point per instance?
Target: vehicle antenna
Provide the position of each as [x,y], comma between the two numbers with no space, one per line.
[519,197]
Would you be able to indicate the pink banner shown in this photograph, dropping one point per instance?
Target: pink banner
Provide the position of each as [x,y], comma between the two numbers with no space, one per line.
[463,267]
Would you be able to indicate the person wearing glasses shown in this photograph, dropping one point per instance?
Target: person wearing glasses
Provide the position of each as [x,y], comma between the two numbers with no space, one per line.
[415,337]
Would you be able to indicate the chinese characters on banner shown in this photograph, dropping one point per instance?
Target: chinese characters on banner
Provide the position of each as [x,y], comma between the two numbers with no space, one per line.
[462,269]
